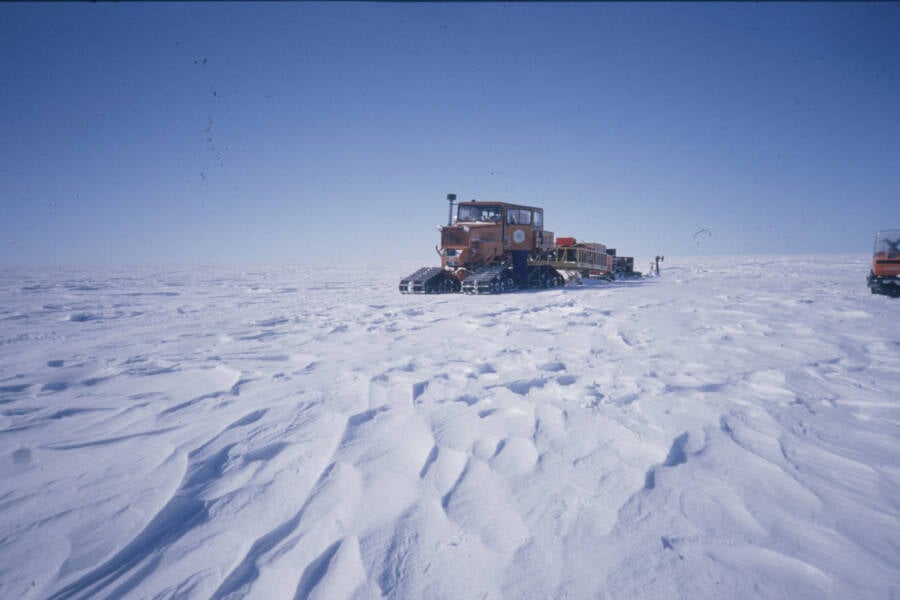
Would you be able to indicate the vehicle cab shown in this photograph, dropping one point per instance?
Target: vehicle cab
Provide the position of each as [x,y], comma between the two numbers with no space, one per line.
[884,277]
[486,233]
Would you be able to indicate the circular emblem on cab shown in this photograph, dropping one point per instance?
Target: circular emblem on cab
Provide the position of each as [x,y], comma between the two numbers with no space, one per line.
[518,236]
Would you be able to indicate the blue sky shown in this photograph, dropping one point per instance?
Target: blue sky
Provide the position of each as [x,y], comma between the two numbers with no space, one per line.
[316,133]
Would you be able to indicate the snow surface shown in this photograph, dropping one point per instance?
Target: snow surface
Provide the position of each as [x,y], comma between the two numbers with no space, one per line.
[730,430]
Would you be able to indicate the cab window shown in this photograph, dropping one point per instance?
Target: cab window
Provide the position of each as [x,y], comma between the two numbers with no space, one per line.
[478,214]
[518,216]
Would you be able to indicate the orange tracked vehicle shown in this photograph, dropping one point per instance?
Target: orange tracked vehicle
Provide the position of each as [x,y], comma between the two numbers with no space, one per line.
[496,247]
[884,277]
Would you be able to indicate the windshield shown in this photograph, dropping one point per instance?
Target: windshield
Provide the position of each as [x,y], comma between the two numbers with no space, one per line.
[887,241]
[478,214]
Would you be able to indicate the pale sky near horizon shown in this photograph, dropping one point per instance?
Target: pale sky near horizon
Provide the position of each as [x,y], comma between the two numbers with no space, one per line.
[331,132]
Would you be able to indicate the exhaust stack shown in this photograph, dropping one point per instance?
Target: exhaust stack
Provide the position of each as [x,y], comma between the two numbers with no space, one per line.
[451,198]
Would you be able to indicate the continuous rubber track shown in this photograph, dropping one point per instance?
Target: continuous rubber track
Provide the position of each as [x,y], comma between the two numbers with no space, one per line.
[491,280]
[429,280]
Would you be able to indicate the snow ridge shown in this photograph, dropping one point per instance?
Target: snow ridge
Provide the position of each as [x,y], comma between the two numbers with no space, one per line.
[726,430]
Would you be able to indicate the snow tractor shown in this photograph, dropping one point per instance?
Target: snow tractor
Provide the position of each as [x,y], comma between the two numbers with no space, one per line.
[497,247]
[884,278]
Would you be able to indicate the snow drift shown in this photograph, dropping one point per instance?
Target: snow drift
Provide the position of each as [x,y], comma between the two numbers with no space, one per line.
[727,430]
